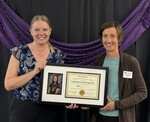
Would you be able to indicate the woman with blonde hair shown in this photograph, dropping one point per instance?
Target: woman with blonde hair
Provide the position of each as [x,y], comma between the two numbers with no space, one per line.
[24,71]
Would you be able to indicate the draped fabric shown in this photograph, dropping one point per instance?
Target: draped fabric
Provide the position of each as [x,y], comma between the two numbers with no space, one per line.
[15,31]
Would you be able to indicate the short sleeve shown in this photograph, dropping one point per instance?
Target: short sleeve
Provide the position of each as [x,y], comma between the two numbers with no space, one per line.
[16,52]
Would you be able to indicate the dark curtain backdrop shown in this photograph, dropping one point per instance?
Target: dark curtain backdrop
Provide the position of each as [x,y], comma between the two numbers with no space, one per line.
[74,20]
[78,21]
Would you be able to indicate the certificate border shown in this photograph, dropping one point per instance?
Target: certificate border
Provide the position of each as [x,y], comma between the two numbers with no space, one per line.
[67,96]
[62,69]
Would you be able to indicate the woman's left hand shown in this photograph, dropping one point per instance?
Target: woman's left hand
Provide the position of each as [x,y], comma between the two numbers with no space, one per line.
[85,108]
[110,105]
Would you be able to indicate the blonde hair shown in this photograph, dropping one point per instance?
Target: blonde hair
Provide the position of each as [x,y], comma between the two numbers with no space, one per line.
[41,17]
[45,19]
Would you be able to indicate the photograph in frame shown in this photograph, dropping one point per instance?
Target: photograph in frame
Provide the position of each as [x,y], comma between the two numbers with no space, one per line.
[64,84]
[54,83]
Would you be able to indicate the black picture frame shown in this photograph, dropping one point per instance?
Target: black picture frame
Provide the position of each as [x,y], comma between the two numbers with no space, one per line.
[80,84]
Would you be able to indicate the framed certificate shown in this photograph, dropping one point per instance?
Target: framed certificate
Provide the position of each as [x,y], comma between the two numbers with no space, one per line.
[63,84]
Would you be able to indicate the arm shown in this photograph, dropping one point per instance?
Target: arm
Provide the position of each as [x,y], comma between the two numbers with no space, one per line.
[57,91]
[49,89]
[12,80]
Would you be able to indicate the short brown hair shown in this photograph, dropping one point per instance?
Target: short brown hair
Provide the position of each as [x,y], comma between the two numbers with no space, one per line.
[114,24]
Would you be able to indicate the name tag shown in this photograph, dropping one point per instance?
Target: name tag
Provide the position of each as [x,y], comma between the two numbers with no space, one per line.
[127,74]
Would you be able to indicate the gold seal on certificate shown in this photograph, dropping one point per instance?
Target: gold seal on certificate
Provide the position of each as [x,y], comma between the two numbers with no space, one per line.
[82,92]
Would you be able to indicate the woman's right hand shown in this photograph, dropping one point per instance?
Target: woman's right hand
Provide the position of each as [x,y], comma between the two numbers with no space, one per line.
[72,106]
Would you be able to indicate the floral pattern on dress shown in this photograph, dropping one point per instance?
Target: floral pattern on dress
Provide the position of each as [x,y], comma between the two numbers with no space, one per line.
[30,91]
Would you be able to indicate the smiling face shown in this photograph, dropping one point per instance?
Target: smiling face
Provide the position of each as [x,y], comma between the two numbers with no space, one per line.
[40,31]
[110,40]
[112,36]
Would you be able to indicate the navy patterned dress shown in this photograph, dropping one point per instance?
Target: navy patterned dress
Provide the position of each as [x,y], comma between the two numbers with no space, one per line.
[23,54]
